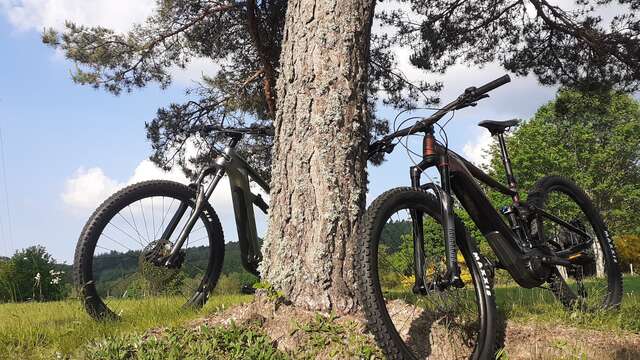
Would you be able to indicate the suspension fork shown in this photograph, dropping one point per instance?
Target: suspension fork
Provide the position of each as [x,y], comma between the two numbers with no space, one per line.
[448,222]
[419,286]
[201,198]
[443,194]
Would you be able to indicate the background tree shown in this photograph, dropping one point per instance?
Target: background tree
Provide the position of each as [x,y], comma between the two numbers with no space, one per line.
[574,44]
[323,138]
[628,247]
[243,38]
[19,279]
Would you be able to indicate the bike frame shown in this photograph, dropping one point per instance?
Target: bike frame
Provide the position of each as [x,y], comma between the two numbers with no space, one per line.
[517,253]
[240,173]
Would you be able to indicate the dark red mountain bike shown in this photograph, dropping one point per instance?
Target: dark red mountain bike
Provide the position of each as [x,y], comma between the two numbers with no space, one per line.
[426,288]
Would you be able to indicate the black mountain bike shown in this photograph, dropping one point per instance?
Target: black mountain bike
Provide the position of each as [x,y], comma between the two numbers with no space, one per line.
[162,241]
[426,288]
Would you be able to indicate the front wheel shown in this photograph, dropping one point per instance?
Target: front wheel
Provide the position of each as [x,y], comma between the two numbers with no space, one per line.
[596,283]
[117,256]
[449,322]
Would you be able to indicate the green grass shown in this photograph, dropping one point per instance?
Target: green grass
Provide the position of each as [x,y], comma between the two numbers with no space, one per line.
[63,330]
[217,342]
[319,338]
[47,330]
[539,305]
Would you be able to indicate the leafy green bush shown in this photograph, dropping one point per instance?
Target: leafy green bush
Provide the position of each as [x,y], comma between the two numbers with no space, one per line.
[32,274]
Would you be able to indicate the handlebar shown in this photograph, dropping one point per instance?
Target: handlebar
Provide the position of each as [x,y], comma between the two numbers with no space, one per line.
[254,130]
[469,98]
[493,84]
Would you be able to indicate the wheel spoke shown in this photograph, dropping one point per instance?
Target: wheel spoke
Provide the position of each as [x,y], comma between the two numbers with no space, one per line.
[134,228]
[126,233]
[133,218]
[116,241]
[144,218]
[124,253]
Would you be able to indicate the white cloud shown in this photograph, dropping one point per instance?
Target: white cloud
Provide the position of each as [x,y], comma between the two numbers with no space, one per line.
[476,150]
[120,15]
[37,14]
[88,187]
[147,170]
[194,71]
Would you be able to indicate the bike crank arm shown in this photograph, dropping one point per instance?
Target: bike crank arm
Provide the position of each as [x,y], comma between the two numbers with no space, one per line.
[573,260]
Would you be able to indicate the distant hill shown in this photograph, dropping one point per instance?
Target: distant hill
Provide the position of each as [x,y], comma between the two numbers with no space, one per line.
[114,265]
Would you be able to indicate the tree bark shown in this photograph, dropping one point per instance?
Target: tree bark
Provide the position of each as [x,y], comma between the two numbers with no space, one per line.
[319,161]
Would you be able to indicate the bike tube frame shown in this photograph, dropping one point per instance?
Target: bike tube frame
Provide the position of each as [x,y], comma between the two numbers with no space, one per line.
[462,176]
[240,173]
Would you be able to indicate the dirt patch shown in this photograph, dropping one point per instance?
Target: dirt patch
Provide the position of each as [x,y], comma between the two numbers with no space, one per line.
[542,341]
[433,338]
[287,325]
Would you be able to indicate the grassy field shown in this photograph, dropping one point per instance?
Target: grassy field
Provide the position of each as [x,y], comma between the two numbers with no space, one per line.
[62,329]
[538,305]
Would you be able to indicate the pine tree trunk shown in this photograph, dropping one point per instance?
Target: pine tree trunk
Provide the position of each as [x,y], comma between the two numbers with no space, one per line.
[319,164]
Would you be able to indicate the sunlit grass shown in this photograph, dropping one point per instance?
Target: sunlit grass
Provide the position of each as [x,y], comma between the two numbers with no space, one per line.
[539,305]
[50,330]
[47,330]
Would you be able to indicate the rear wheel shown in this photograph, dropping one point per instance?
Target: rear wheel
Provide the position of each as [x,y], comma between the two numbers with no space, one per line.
[452,323]
[115,260]
[597,282]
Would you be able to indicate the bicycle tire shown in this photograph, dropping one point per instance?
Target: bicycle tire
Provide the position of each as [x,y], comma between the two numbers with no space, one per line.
[371,296]
[538,197]
[85,248]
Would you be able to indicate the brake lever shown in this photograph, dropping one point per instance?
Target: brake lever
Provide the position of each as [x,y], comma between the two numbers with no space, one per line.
[388,148]
[470,102]
[380,146]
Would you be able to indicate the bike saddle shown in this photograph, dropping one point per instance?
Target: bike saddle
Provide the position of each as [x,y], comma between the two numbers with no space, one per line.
[498,127]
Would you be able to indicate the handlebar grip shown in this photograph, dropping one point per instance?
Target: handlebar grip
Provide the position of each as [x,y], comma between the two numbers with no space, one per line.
[269,131]
[493,84]
[209,128]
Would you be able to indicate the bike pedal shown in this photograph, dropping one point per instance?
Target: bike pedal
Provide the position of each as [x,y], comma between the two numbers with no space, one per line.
[581,259]
[247,289]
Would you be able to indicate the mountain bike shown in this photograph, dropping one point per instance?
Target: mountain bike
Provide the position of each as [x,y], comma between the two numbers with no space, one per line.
[161,240]
[426,288]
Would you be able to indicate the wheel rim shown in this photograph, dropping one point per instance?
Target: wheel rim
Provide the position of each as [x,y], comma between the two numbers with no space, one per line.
[442,323]
[122,273]
[588,286]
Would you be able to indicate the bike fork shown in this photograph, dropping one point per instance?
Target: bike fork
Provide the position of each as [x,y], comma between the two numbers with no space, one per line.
[418,240]
[443,194]
[201,198]
[448,223]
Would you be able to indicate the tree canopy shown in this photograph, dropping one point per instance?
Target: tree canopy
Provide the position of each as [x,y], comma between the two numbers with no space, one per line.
[32,273]
[576,47]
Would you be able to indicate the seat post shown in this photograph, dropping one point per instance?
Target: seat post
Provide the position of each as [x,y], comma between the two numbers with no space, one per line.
[511,180]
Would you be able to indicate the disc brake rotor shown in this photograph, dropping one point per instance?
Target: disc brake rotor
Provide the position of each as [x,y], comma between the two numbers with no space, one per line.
[152,268]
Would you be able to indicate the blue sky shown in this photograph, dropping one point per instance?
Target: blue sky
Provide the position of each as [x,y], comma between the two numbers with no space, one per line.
[66,147]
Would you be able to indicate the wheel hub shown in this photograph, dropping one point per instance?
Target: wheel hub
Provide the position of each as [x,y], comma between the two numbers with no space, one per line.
[152,263]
